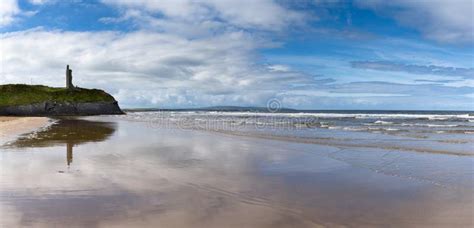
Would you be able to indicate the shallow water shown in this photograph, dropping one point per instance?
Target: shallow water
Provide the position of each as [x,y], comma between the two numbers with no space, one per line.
[124,172]
[432,132]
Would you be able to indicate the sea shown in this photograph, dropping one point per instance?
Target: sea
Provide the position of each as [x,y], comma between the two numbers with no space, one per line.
[445,132]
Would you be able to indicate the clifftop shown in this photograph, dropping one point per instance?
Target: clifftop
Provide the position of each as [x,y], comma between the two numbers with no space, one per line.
[38,100]
[20,94]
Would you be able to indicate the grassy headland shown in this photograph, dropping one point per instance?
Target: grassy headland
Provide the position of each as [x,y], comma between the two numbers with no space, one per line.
[20,94]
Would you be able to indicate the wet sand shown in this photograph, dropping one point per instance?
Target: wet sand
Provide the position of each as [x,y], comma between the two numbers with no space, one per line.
[106,172]
[13,126]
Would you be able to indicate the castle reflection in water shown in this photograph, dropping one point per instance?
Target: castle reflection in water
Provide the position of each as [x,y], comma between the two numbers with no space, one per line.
[69,132]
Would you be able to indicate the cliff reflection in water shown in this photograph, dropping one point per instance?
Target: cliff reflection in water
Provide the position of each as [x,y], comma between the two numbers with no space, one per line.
[69,131]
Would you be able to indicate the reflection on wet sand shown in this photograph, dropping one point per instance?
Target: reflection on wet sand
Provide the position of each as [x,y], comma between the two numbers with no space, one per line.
[69,131]
[69,153]
[139,176]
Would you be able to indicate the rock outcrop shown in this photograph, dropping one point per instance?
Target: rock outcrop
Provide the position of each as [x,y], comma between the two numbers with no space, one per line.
[52,108]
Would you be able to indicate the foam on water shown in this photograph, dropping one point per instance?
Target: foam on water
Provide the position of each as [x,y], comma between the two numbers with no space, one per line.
[431,122]
[338,115]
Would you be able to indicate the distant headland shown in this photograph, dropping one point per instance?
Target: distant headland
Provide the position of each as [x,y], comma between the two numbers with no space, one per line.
[39,100]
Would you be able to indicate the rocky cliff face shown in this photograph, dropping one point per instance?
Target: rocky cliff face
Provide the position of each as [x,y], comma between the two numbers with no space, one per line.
[51,108]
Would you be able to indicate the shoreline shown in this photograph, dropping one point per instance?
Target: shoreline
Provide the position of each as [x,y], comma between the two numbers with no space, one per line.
[11,127]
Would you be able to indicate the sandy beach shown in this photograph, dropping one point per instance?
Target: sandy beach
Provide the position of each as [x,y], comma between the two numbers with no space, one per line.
[13,126]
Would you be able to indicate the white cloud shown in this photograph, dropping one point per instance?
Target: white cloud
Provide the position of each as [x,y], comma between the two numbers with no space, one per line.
[184,53]
[39,2]
[248,14]
[279,68]
[147,67]
[143,69]
[8,10]
[440,20]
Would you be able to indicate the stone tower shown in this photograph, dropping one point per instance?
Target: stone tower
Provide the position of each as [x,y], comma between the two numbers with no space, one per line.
[69,78]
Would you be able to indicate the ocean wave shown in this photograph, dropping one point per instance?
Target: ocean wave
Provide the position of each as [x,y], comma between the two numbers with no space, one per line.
[315,115]
[332,121]
[354,129]
[303,114]
[429,125]
[441,125]
[383,122]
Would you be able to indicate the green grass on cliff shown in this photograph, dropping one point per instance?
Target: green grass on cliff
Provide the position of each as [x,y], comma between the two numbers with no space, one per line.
[19,94]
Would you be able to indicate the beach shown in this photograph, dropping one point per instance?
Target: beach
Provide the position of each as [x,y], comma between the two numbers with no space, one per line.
[207,169]
[11,127]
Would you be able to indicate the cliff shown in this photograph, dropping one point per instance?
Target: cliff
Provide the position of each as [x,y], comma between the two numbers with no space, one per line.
[37,100]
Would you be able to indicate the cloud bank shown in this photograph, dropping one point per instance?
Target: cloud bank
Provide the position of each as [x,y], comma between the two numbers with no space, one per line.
[202,17]
[146,66]
[467,73]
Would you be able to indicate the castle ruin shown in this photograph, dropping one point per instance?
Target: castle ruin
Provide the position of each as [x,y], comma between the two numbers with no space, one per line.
[69,78]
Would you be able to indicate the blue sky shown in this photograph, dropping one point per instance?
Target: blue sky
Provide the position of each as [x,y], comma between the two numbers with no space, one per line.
[307,54]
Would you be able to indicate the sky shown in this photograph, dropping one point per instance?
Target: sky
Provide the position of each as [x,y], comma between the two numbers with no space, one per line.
[305,54]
